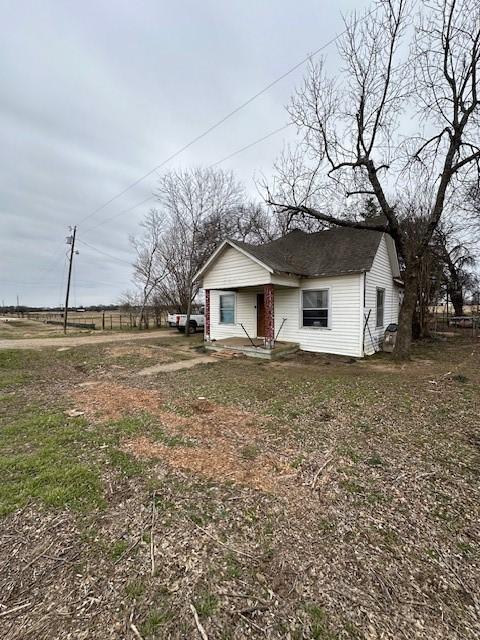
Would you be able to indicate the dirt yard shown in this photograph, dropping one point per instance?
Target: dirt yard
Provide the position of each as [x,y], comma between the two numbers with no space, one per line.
[22,333]
[313,498]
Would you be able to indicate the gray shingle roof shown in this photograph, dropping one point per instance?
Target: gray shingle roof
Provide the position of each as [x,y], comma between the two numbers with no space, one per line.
[330,252]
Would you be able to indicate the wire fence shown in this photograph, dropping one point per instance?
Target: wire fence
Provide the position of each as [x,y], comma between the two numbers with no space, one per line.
[103,321]
[464,325]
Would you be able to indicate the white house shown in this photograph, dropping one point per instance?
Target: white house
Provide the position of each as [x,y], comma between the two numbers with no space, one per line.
[333,291]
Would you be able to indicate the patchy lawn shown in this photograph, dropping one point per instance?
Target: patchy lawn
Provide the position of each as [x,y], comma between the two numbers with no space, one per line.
[15,328]
[315,498]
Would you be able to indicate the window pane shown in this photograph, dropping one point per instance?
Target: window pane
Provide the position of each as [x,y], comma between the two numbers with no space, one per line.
[227,309]
[380,306]
[227,316]
[315,318]
[227,302]
[315,299]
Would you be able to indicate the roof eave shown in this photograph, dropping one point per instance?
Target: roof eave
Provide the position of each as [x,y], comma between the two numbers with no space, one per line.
[345,272]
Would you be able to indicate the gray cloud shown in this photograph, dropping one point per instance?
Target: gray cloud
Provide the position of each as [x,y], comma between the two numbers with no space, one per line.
[94,94]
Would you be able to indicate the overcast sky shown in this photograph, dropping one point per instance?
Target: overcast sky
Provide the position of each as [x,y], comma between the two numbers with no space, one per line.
[96,93]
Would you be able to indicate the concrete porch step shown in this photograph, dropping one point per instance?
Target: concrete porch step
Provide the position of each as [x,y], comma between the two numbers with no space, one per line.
[224,349]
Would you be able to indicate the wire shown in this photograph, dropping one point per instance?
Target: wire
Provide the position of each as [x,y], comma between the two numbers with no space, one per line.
[224,119]
[252,144]
[120,213]
[53,265]
[60,291]
[231,155]
[89,283]
[29,284]
[108,255]
[74,289]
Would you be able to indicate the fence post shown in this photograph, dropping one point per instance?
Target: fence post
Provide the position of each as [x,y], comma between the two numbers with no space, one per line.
[111,323]
[120,318]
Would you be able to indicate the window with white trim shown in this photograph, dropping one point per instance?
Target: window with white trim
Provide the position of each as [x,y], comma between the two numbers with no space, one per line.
[380,307]
[315,309]
[227,308]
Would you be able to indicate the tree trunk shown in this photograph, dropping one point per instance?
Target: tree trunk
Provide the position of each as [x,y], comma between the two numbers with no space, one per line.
[456,296]
[404,337]
[189,311]
[142,315]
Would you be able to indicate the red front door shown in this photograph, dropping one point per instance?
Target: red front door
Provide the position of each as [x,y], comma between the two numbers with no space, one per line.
[260,315]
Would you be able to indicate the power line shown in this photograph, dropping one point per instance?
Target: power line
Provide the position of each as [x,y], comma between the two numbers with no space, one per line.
[214,164]
[108,255]
[52,285]
[252,144]
[53,265]
[89,283]
[60,291]
[29,284]
[120,213]
[224,119]
[74,283]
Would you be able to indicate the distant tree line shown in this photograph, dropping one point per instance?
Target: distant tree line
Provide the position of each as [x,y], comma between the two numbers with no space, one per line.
[29,309]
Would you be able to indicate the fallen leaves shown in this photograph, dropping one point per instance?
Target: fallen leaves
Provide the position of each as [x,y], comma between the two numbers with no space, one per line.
[111,401]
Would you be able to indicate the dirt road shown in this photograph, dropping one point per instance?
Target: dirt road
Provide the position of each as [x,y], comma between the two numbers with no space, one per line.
[75,341]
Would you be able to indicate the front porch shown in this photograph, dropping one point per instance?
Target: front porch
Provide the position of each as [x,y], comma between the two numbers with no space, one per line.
[255,347]
[244,314]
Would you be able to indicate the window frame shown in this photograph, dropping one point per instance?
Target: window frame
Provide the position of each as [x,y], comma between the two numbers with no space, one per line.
[383,290]
[220,296]
[328,308]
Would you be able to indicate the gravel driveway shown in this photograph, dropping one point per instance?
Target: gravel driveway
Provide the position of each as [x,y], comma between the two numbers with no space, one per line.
[75,341]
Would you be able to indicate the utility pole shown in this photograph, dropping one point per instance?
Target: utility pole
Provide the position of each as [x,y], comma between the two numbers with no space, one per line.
[71,242]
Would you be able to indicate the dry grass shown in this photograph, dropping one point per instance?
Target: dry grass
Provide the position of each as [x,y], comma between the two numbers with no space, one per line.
[222,447]
[110,400]
[311,499]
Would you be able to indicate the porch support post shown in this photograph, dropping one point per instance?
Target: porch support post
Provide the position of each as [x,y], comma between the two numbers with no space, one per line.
[207,315]
[269,316]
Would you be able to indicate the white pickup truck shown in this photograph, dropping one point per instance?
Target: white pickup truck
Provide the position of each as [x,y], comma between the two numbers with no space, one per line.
[197,321]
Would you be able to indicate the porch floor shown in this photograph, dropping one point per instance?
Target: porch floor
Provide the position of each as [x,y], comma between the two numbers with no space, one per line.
[257,350]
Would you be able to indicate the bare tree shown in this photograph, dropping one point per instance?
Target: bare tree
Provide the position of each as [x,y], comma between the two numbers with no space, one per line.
[198,210]
[196,203]
[402,117]
[458,260]
[149,267]
[130,303]
[250,222]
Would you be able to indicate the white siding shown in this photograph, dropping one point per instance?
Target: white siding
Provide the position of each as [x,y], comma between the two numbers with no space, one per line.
[343,336]
[245,313]
[233,269]
[380,276]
